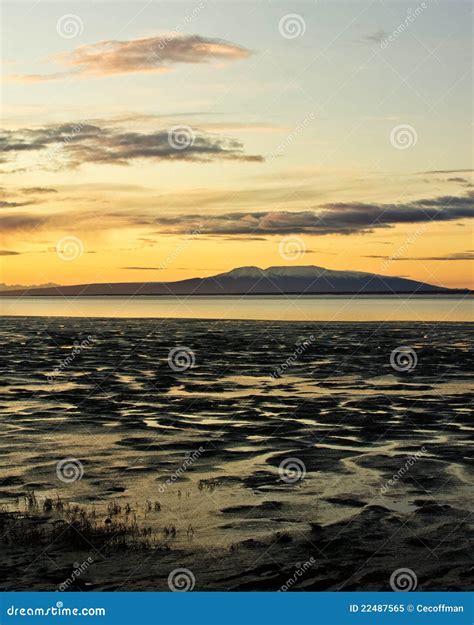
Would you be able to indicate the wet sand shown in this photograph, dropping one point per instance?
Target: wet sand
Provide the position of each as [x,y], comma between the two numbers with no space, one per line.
[183,468]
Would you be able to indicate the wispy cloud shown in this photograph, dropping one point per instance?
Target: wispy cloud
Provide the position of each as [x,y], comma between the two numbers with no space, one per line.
[9,253]
[335,218]
[143,268]
[152,54]
[75,144]
[469,255]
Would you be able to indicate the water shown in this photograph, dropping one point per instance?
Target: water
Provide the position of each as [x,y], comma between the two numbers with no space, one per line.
[294,308]
[190,414]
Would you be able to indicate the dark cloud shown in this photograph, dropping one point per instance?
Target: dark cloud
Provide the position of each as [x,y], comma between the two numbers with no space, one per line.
[37,190]
[447,171]
[335,218]
[143,268]
[9,253]
[454,256]
[375,37]
[5,204]
[152,54]
[86,143]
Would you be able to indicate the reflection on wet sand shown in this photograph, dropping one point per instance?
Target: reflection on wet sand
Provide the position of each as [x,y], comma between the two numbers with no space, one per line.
[230,514]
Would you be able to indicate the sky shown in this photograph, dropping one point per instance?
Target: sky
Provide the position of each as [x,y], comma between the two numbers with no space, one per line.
[158,141]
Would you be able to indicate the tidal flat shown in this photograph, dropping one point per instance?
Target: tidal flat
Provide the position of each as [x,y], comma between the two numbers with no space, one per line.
[256,455]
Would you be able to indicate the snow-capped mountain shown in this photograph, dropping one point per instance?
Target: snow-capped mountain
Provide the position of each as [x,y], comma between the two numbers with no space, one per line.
[254,281]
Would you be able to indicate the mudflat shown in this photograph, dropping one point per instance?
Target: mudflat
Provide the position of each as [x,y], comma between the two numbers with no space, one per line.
[256,455]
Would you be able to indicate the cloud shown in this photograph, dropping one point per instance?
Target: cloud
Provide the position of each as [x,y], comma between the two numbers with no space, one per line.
[75,144]
[469,255]
[5,204]
[9,253]
[37,190]
[143,268]
[334,218]
[152,54]
[446,171]
[375,37]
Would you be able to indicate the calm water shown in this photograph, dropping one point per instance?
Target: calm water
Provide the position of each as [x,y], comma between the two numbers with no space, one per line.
[303,308]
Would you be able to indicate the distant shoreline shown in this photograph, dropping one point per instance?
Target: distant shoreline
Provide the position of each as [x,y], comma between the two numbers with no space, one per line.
[449,293]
